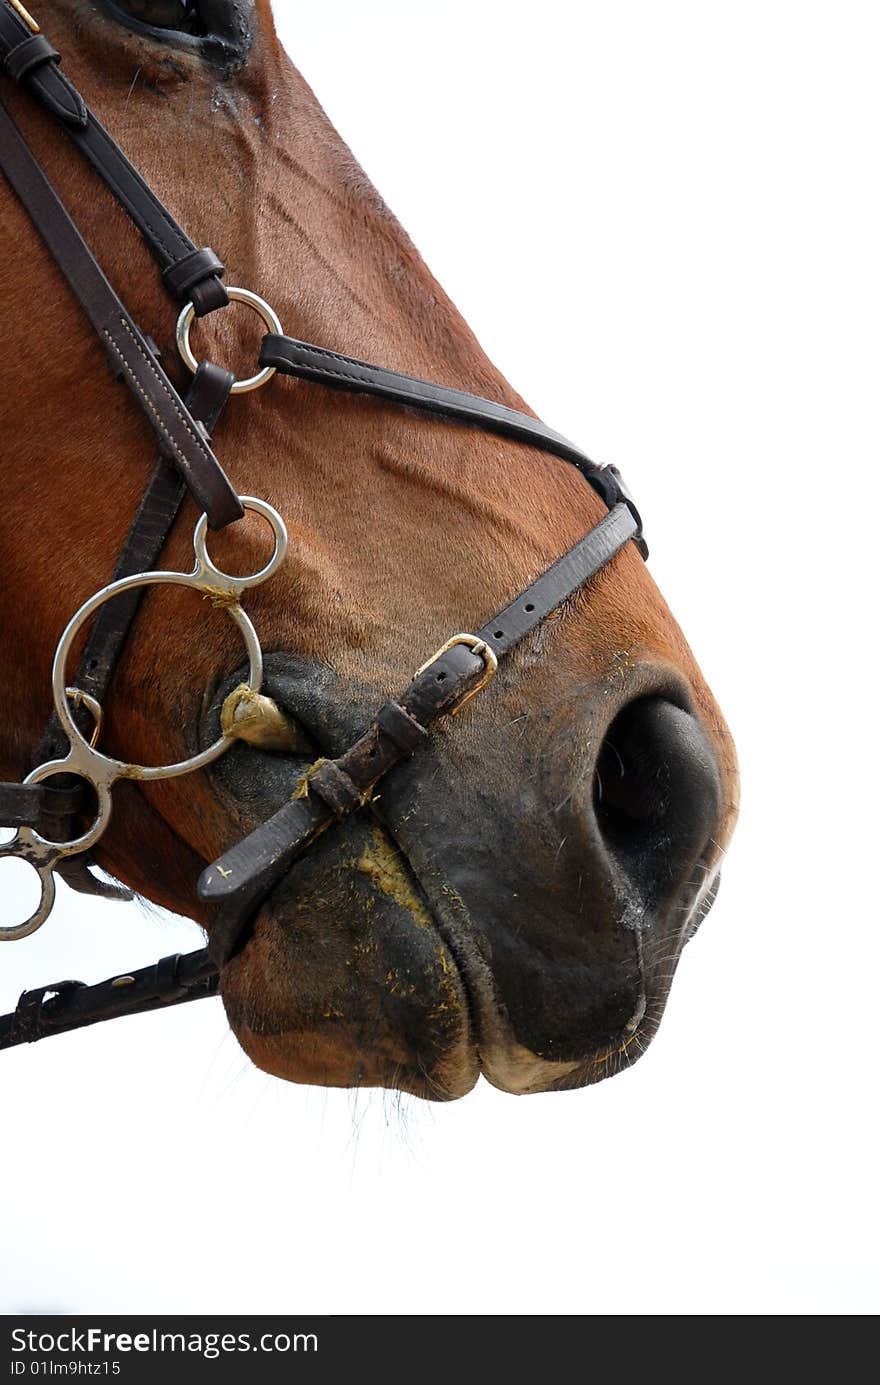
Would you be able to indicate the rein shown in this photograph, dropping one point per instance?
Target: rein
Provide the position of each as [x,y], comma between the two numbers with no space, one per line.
[44,808]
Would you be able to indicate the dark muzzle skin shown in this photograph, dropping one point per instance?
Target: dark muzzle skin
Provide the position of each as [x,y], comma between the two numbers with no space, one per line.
[513,902]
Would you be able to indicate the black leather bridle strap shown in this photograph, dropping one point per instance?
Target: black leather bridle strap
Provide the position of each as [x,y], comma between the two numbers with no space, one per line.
[71,1005]
[130,355]
[338,372]
[243,876]
[31,61]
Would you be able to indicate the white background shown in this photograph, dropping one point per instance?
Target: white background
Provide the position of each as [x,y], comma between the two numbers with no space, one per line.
[680,202]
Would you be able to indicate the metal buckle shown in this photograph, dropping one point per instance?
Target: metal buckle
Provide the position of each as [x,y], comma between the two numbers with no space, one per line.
[23,14]
[260,306]
[487,653]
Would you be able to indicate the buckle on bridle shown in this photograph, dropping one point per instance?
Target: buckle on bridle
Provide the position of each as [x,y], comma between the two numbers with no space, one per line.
[480,647]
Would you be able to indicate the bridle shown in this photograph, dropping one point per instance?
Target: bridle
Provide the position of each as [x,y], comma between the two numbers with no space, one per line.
[44,809]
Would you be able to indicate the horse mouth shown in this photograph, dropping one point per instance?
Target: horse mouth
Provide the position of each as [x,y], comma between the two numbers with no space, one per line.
[400,991]
[429,940]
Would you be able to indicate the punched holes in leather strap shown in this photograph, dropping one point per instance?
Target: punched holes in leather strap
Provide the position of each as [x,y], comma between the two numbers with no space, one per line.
[336,788]
[400,727]
[30,53]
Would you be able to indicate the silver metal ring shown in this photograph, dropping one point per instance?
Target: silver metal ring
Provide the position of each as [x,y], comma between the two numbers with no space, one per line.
[260,306]
[81,767]
[208,569]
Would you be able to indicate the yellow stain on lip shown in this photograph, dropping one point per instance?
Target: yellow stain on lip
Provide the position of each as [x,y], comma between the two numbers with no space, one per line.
[380,863]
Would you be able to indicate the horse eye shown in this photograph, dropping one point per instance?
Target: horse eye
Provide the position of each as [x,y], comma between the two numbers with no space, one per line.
[181,16]
[219,31]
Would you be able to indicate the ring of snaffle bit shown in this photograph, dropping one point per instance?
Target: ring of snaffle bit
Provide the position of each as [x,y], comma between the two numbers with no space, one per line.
[252,300]
[102,771]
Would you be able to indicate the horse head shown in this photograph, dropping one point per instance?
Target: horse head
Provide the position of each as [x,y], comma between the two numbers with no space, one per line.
[515,899]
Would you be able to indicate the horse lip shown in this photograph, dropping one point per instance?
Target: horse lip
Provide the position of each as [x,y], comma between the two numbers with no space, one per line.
[445,1071]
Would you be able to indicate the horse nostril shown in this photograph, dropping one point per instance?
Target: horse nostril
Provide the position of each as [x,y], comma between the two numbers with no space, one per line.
[656,795]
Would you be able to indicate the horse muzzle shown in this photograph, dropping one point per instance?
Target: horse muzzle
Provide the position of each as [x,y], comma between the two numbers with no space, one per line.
[514,902]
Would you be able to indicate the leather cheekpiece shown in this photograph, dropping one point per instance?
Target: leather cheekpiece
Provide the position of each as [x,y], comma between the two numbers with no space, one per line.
[31,59]
[128,350]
